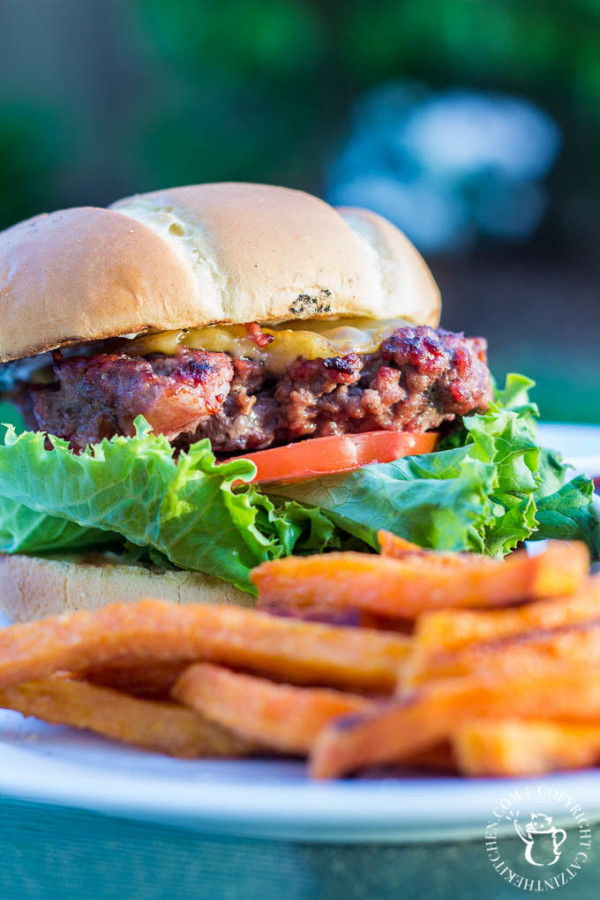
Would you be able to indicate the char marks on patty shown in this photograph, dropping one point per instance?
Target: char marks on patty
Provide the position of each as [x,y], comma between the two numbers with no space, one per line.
[417,379]
[100,396]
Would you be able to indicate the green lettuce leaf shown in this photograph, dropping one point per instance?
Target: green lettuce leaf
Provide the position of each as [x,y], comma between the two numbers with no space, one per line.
[567,514]
[24,530]
[134,489]
[554,509]
[438,500]
[514,396]
[505,436]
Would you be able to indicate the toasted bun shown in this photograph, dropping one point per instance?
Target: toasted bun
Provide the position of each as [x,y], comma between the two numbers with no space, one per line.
[32,588]
[201,255]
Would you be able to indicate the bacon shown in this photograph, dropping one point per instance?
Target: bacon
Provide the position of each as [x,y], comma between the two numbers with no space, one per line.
[257,335]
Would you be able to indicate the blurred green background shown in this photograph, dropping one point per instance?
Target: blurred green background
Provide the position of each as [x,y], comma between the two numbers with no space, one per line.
[474,125]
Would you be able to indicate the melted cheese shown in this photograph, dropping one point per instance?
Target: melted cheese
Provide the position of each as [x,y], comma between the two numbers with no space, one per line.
[316,339]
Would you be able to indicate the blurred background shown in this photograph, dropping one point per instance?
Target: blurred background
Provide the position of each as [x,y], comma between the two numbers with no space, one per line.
[475,126]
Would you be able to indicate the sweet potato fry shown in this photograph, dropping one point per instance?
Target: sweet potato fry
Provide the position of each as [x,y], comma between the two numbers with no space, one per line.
[513,747]
[278,716]
[439,758]
[152,631]
[399,548]
[328,614]
[395,731]
[162,727]
[441,638]
[566,648]
[408,587]
[147,680]
[315,612]
[454,629]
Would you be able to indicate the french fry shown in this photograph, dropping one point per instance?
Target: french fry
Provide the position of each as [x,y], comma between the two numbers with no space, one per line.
[392,732]
[399,548]
[567,648]
[152,631]
[439,758]
[146,680]
[471,682]
[278,716]
[162,727]
[442,639]
[513,747]
[408,587]
[334,615]
[315,612]
[449,630]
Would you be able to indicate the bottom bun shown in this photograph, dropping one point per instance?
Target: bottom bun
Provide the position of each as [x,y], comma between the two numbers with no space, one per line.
[34,587]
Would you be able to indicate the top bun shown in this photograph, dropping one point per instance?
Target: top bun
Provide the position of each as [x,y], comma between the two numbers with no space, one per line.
[201,255]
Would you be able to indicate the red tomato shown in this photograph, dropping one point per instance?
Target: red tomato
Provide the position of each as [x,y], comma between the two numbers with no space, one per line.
[339,453]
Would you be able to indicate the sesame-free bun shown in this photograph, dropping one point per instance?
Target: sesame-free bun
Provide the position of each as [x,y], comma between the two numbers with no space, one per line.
[85,274]
[36,587]
[201,255]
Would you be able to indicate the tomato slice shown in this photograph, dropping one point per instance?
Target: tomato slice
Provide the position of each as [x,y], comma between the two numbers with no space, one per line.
[339,453]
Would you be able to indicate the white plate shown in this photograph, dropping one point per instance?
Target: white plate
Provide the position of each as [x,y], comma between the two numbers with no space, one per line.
[260,799]
[273,799]
[579,444]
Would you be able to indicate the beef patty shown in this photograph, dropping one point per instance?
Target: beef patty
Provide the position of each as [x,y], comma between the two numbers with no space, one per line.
[417,379]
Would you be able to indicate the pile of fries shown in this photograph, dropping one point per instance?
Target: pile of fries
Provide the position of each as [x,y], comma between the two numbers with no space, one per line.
[441,661]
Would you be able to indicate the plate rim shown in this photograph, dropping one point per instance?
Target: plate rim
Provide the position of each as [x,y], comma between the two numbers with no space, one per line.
[391,809]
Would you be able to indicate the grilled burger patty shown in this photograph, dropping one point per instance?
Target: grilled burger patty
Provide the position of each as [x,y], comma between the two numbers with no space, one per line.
[417,379]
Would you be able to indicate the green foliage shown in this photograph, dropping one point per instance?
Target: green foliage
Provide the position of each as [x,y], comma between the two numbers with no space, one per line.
[277,38]
[261,89]
[244,91]
[281,75]
[29,146]
[493,43]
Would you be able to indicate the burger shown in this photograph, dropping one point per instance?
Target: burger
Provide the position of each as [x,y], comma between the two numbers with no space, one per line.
[216,375]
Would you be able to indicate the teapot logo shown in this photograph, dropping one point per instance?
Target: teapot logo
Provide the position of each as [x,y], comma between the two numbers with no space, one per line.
[542,859]
[542,839]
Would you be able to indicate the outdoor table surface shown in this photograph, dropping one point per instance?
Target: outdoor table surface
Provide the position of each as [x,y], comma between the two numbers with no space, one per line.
[59,853]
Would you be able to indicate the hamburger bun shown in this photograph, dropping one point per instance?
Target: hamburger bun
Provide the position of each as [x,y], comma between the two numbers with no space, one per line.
[201,255]
[35,587]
